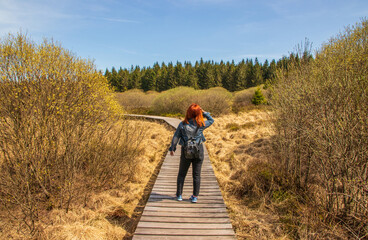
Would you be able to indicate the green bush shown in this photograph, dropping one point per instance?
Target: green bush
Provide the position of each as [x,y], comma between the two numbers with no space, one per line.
[258,97]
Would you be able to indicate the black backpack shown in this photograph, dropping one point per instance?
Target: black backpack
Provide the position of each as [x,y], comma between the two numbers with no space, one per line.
[191,147]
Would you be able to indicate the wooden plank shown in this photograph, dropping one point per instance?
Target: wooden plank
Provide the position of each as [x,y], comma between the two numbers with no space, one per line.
[142,224]
[202,193]
[184,219]
[186,205]
[203,181]
[186,187]
[173,184]
[196,237]
[184,214]
[173,179]
[155,237]
[201,201]
[185,210]
[185,232]
[173,197]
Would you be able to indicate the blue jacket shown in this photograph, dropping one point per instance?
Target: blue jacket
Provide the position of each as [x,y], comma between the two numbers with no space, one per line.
[181,136]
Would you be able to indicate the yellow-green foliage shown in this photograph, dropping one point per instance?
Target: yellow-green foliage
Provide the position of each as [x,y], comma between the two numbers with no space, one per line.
[322,109]
[174,101]
[136,101]
[59,136]
[215,100]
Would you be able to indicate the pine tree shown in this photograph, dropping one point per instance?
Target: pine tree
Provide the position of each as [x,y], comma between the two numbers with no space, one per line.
[135,78]
[160,79]
[122,80]
[179,74]
[257,73]
[170,80]
[148,80]
[258,97]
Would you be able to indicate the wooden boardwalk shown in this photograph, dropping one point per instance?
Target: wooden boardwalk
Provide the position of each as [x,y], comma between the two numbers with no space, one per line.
[166,218]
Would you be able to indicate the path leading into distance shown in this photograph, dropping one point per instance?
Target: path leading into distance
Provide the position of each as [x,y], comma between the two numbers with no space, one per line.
[165,218]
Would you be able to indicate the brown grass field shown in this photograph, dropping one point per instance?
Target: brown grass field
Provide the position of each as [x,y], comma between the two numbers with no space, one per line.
[235,142]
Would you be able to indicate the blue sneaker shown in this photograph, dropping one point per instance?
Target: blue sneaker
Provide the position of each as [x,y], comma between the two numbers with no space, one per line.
[194,199]
[179,198]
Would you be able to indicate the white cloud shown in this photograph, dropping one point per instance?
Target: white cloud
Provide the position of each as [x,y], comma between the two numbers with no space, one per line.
[45,15]
[32,16]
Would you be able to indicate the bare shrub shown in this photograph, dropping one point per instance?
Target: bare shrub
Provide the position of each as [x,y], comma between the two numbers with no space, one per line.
[59,130]
[174,101]
[136,101]
[321,112]
[214,100]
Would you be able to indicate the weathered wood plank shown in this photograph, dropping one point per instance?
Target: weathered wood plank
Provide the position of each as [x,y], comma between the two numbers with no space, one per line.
[186,200]
[185,225]
[169,196]
[185,232]
[184,214]
[184,219]
[202,193]
[186,210]
[186,205]
[196,237]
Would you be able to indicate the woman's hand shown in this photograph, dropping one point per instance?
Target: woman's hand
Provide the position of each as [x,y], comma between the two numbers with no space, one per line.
[171,153]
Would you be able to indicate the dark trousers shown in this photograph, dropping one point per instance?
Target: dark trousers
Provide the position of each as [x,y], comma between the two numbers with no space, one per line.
[183,169]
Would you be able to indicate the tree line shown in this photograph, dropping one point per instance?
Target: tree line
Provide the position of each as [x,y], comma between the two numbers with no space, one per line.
[201,75]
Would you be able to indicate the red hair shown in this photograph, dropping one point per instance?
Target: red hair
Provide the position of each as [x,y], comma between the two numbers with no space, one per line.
[194,112]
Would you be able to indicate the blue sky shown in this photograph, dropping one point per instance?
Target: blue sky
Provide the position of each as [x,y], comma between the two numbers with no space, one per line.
[142,32]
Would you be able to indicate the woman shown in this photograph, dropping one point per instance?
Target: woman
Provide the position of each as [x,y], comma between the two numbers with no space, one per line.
[192,127]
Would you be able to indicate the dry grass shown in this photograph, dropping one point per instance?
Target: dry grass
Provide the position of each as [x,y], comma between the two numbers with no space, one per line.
[261,203]
[104,213]
[234,141]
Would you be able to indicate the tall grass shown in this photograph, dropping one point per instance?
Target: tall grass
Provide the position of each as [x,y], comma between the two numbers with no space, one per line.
[322,128]
[60,132]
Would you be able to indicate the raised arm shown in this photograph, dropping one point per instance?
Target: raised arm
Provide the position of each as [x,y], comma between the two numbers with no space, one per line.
[209,120]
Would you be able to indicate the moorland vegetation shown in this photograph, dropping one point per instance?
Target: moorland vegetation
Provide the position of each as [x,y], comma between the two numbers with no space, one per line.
[295,168]
[304,174]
